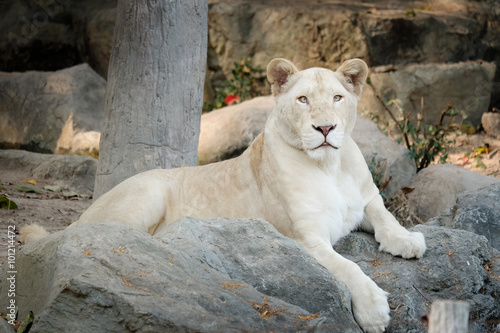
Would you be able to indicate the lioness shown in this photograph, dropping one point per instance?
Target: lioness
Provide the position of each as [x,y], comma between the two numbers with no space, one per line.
[304,174]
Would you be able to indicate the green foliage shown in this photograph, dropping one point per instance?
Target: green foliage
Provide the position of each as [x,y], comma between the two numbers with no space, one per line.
[427,143]
[246,83]
[5,203]
[25,325]
[22,326]
[28,189]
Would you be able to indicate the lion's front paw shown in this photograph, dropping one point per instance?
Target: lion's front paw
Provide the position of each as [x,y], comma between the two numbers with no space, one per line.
[407,245]
[370,308]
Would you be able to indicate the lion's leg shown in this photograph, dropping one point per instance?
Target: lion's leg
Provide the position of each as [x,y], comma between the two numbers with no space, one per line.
[393,238]
[369,302]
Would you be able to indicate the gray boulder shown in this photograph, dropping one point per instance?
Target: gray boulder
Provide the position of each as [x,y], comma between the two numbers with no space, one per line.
[52,35]
[227,132]
[212,276]
[477,211]
[5,327]
[437,187]
[380,32]
[385,157]
[491,124]
[74,172]
[467,86]
[35,106]
[457,265]
[225,275]
[328,34]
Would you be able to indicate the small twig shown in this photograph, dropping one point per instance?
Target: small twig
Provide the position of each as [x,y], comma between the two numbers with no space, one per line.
[405,136]
[428,301]
[444,113]
[388,110]
[420,116]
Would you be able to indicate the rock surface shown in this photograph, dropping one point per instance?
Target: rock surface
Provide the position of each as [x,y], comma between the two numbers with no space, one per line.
[211,276]
[467,86]
[328,32]
[227,132]
[69,172]
[457,265]
[385,157]
[5,327]
[477,211]
[223,275]
[53,35]
[49,99]
[437,187]
[491,123]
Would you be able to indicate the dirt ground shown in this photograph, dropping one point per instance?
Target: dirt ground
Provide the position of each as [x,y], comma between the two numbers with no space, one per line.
[56,210]
[53,210]
[478,152]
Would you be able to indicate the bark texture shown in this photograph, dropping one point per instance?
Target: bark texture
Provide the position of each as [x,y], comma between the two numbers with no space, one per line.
[154,94]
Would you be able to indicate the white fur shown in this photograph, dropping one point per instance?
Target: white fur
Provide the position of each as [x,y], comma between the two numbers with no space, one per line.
[315,194]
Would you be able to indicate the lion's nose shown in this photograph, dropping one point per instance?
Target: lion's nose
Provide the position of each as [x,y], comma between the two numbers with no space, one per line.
[325,129]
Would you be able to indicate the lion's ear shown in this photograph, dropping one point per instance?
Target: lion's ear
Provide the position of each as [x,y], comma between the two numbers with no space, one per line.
[355,72]
[278,72]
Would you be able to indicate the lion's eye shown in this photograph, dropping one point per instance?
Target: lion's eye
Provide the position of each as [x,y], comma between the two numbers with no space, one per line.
[302,99]
[337,98]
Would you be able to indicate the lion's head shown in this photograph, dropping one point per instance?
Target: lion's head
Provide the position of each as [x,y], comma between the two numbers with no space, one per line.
[316,108]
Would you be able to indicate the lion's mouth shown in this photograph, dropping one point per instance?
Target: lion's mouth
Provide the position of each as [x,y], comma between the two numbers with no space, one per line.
[325,144]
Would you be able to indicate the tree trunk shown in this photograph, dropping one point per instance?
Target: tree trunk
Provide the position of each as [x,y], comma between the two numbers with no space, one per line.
[154,94]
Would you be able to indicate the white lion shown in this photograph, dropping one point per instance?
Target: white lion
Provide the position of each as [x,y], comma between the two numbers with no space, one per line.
[304,174]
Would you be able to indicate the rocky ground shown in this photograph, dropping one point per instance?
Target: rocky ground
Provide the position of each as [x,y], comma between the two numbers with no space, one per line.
[479,153]
[53,210]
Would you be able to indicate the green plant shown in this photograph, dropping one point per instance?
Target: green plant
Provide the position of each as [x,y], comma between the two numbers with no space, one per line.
[247,82]
[426,142]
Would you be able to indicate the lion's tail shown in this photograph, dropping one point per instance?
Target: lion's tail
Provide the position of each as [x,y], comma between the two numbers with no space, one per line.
[32,233]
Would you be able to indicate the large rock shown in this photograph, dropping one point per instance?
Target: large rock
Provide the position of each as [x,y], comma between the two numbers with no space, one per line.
[385,157]
[491,124]
[5,327]
[437,187]
[37,35]
[211,276]
[96,21]
[467,86]
[35,106]
[381,32]
[227,132]
[53,35]
[457,265]
[449,32]
[476,211]
[327,34]
[238,275]
[72,172]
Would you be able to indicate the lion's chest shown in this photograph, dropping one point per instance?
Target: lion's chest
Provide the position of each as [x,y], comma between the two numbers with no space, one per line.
[332,205]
